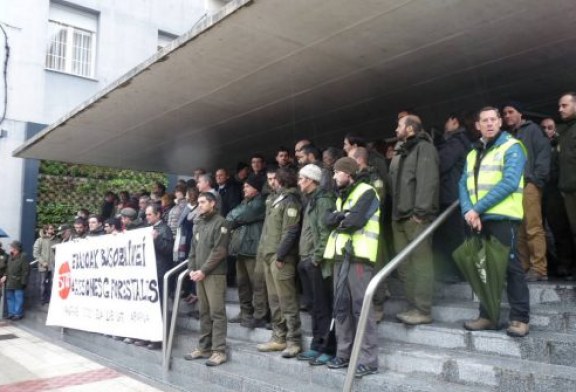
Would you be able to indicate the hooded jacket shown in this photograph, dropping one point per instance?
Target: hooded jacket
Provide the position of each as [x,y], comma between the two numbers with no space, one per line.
[415,179]
[537,147]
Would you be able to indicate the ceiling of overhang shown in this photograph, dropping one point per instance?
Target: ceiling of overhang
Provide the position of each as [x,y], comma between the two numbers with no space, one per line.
[266,74]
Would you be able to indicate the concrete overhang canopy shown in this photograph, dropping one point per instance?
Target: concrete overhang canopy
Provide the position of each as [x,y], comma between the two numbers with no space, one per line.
[263,73]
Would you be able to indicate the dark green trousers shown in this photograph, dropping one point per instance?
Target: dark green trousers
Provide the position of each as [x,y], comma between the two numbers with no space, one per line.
[212,305]
[417,272]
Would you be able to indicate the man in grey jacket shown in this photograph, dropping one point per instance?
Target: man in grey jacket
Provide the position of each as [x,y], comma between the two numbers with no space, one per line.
[415,186]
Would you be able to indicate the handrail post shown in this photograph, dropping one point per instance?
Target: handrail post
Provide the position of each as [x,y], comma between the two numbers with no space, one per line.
[168,352]
[3,301]
[375,282]
[166,279]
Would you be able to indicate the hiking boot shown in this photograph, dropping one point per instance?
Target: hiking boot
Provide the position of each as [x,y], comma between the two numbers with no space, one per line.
[416,317]
[517,329]
[364,370]
[308,355]
[321,360]
[271,346]
[338,363]
[247,322]
[379,313]
[236,319]
[197,354]
[400,316]
[480,324]
[217,358]
[533,276]
[291,350]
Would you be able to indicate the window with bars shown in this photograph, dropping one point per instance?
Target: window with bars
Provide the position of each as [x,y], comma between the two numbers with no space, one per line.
[71,49]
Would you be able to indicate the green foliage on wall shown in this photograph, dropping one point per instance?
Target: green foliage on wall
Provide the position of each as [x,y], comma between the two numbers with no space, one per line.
[64,188]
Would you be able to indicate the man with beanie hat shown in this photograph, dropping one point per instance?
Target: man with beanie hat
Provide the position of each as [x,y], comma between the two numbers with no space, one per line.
[312,268]
[415,180]
[246,221]
[353,246]
[531,235]
[15,278]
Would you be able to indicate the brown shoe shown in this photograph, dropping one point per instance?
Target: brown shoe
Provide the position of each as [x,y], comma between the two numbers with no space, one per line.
[271,346]
[533,276]
[416,317]
[292,349]
[480,324]
[217,358]
[517,329]
[197,354]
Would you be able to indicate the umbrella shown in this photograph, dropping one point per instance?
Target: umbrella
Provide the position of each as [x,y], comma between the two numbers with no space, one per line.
[3,234]
[483,261]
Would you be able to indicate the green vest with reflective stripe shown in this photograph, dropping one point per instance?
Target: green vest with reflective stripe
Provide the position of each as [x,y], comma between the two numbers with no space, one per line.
[490,173]
[365,240]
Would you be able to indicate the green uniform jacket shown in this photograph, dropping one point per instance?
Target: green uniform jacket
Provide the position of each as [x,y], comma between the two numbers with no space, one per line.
[209,245]
[16,272]
[246,221]
[282,225]
[567,157]
[415,180]
[315,233]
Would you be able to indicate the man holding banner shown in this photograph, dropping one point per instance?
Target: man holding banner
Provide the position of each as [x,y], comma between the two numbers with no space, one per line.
[207,267]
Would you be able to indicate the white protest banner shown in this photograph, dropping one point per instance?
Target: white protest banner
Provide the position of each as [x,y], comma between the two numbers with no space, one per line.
[108,284]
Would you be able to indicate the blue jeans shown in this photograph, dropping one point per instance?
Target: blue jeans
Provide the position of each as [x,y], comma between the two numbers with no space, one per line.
[15,299]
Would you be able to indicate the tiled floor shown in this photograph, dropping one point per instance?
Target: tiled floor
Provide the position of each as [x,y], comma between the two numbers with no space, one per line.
[30,364]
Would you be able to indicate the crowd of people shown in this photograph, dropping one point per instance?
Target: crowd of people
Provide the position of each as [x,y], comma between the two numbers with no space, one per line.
[310,230]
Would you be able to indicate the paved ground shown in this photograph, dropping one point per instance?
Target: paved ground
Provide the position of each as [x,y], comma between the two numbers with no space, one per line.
[31,364]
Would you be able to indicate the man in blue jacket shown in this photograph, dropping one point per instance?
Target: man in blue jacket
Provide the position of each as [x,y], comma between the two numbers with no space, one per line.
[491,202]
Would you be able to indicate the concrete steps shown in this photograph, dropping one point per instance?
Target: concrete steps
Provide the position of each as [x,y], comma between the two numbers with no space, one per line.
[437,357]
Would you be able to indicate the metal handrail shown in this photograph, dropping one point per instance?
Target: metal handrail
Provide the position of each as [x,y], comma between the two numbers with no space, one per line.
[166,278]
[373,285]
[33,263]
[175,306]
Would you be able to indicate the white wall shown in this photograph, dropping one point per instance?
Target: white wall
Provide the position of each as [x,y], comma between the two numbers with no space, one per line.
[11,170]
[127,35]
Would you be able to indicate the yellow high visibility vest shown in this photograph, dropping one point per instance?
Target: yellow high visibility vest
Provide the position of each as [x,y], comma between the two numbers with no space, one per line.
[365,240]
[490,173]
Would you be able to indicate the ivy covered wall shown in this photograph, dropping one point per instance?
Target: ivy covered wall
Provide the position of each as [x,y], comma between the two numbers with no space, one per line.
[64,188]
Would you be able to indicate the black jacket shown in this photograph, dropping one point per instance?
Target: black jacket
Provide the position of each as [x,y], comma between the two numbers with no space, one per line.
[452,154]
[163,246]
[538,148]
[567,157]
[231,196]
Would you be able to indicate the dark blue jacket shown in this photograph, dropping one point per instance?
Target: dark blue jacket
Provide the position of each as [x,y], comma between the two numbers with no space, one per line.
[452,156]
[514,161]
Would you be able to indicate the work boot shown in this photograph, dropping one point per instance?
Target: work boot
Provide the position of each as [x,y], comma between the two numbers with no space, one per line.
[197,354]
[364,370]
[217,358]
[480,324]
[379,313]
[416,317]
[323,359]
[236,319]
[517,329]
[291,350]
[533,276]
[400,316]
[308,355]
[271,346]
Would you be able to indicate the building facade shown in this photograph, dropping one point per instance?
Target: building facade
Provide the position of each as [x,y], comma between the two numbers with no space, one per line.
[60,53]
